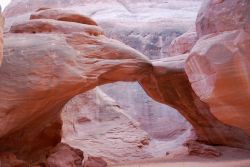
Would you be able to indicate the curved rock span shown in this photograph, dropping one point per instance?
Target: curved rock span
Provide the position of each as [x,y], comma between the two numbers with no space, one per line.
[46,65]
[169,84]
[48,61]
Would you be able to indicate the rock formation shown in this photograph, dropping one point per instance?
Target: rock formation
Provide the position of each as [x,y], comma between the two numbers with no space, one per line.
[183,44]
[149,28]
[95,123]
[53,67]
[169,84]
[59,54]
[223,15]
[145,25]
[219,62]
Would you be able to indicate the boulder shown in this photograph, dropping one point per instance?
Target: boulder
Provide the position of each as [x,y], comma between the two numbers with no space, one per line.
[182,44]
[95,162]
[218,71]
[64,156]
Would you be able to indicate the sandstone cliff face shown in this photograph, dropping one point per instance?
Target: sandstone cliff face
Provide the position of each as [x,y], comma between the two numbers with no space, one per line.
[219,62]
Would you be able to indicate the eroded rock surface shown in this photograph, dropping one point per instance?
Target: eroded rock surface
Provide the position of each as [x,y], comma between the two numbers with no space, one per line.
[96,124]
[43,70]
[219,62]
[63,155]
[223,15]
[169,84]
[183,44]
[148,26]
[218,70]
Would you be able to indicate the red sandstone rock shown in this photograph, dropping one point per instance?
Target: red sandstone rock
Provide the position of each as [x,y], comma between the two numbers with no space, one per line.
[218,16]
[182,44]
[44,70]
[145,25]
[53,26]
[169,84]
[65,156]
[10,160]
[95,162]
[62,15]
[218,71]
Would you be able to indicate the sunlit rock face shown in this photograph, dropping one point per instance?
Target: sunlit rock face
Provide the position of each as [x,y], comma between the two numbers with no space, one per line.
[218,66]
[148,26]
[169,84]
[183,44]
[218,70]
[223,15]
[46,65]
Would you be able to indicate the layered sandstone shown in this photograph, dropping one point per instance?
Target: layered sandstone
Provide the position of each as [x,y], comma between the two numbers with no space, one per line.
[219,62]
[218,70]
[44,69]
[223,15]
[147,26]
[169,84]
[183,44]
[49,61]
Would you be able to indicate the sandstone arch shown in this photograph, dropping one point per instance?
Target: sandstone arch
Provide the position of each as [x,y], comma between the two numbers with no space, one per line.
[48,62]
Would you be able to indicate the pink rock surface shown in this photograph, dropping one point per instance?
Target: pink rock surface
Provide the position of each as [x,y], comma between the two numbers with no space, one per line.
[64,156]
[223,15]
[96,124]
[43,70]
[148,26]
[182,44]
[169,84]
[218,70]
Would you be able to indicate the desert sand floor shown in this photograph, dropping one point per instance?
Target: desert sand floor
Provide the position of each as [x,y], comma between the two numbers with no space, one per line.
[230,158]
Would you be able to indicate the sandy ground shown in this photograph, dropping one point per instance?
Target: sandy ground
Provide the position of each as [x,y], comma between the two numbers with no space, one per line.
[230,158]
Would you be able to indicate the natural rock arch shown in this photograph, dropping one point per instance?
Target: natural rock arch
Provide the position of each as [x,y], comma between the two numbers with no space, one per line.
[47,62]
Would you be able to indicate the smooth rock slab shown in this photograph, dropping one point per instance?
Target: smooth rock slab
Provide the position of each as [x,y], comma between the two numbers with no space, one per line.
[218,69]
